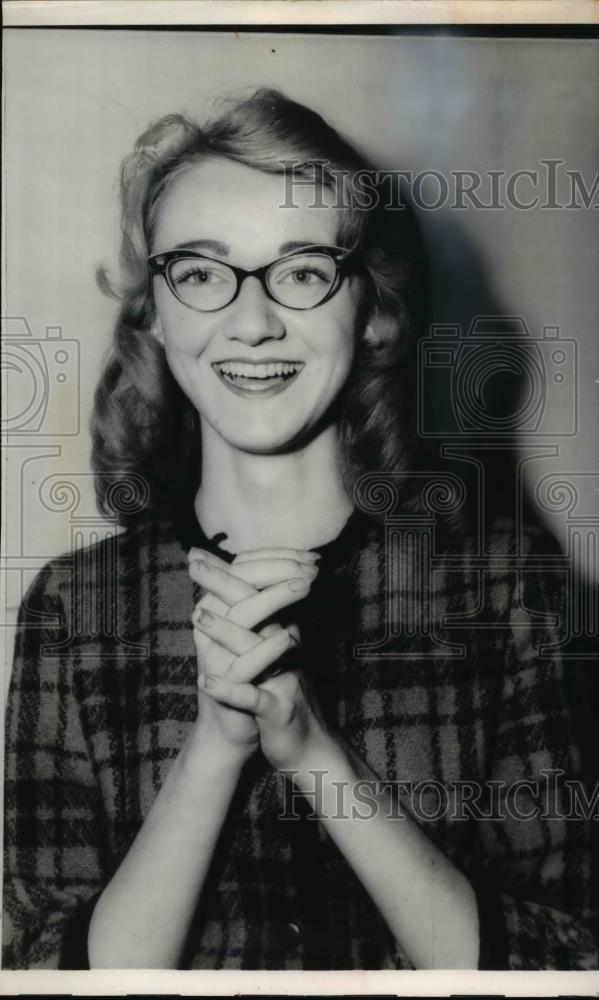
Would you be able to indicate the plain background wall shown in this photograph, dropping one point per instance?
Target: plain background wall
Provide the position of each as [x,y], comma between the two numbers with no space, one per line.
[75,102]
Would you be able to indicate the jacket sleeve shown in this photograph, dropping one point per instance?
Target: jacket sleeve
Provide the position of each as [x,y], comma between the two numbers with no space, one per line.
[52,829]
[535,898]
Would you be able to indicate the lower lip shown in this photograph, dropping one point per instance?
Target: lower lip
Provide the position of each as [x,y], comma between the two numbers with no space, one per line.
[261,387]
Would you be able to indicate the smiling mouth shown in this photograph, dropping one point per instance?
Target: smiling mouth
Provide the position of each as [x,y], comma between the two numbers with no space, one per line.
[257,377]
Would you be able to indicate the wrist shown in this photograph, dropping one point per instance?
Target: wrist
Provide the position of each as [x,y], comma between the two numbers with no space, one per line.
[212,751]
[323,753]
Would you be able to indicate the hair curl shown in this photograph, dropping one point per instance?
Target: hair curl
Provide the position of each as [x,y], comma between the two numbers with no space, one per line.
[142,424]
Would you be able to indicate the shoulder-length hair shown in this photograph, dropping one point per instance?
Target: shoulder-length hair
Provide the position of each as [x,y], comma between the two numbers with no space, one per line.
[144,429]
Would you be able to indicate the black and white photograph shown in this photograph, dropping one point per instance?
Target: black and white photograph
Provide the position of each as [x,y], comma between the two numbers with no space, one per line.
[301,498]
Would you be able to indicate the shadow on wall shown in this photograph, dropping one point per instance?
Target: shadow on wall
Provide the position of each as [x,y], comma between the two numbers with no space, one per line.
[485,384]
[486,391]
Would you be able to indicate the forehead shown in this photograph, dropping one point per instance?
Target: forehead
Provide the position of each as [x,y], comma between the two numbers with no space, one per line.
[252,212]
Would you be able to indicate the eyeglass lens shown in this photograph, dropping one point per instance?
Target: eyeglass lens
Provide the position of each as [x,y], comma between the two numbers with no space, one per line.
[300,282]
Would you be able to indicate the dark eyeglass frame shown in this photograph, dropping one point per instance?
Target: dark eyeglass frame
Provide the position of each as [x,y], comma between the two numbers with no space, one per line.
[345,261]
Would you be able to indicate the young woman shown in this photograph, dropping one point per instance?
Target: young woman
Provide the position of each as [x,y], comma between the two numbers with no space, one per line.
[224,748]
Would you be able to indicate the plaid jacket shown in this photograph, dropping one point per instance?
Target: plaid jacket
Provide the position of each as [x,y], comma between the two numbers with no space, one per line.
[438,663]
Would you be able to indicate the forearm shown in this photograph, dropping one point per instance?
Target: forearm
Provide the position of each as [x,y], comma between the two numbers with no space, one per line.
[142,917]
[427,903]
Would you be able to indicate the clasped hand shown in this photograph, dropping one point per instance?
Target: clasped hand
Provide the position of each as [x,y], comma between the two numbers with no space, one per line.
[276,712]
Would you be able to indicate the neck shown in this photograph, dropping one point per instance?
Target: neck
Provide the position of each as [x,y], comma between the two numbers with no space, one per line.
[295,500]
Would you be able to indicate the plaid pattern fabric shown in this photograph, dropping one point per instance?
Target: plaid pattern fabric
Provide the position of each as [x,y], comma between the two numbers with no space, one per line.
[433,668]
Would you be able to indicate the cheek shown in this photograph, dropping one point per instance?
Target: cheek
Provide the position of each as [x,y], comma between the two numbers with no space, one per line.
[181,333]
[346,343]
[336,365]
[340,335]
[175,322]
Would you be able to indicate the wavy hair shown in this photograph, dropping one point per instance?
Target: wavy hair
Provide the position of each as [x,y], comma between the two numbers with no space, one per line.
[144,429]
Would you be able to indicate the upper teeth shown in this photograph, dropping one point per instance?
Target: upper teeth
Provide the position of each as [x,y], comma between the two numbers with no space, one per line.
[257,371]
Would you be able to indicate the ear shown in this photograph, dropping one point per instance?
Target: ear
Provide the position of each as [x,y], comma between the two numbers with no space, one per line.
[380,329]
[157,331]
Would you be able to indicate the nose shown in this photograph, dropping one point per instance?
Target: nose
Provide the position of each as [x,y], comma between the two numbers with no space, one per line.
[251,318]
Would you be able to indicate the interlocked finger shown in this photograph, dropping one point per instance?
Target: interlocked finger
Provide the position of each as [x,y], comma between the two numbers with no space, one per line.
[296,555]
[268,572]
[251,611]
[259,572]
[225,585]
[244,697]
[250,665]
[211,603]
[226,632]
[211,656]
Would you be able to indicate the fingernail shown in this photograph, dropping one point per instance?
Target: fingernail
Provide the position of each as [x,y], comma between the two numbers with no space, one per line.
[204,617]
[201,556]
[208,681]
[195,554]
[203,566]
[298,585]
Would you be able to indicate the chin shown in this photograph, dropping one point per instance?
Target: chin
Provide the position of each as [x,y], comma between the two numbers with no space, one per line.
[265,446]
[264,442]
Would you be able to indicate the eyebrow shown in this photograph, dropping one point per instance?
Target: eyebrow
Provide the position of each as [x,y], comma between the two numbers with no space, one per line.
[221,248]
[215,245]
[298,244]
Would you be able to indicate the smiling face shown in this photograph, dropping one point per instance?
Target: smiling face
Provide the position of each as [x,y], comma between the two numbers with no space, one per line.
[261,375]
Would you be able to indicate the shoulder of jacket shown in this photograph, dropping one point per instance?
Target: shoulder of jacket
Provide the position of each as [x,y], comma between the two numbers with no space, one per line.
[503,541]
[521,539]
[97,558]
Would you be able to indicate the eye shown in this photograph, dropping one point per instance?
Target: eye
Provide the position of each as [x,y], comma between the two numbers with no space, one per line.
[302,274]
[198,274]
